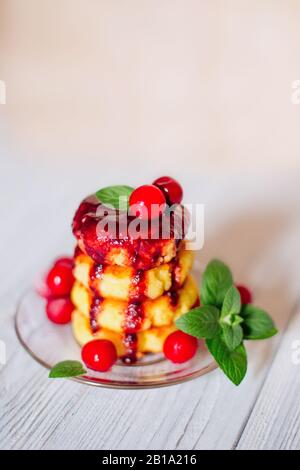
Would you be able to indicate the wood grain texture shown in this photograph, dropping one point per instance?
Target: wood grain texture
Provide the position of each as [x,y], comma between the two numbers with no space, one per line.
[256,233]
[275,420]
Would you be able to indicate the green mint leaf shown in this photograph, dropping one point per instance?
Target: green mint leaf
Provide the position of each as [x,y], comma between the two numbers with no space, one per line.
[257,323]
[116,196]
[67,369]
[232,363]
[233,335]
[232,302]
[202,322]
[216,281]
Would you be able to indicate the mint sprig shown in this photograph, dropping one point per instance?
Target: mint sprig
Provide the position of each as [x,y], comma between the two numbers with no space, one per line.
[224,323]
[67,369]
[115,196]
[230,319]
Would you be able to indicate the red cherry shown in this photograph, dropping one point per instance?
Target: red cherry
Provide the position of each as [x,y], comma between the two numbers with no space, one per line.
[171,188]
[99,355]
[66,261]
[59,310]
[60,280]
[144,198]
[180,347]
[246,296]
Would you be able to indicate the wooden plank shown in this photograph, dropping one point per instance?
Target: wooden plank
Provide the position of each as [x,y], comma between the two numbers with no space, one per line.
[274,422]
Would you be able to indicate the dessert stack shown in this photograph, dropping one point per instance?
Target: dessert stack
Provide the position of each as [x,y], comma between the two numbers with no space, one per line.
[129,290]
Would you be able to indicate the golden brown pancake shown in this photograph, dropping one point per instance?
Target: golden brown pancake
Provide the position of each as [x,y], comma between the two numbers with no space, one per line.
[156,313]
[118,282]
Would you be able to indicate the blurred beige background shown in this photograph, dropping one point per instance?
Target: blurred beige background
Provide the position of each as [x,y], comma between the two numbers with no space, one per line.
[151,84]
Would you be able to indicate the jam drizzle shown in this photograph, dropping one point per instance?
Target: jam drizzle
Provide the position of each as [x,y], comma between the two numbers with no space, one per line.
[134,316]
[94,310]
[96,273]
[176,276]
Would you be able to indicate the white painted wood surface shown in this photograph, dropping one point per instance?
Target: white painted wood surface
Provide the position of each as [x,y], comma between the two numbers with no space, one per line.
[253,225]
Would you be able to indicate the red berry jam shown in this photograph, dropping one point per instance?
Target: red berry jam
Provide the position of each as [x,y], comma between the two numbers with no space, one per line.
[246,296]
[99,355]
[171,188]
[180,347]
[59,310]
[143,252]
[60,280]
[147,202]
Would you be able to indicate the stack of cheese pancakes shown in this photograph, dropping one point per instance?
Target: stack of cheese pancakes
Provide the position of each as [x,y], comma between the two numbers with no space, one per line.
[129,290]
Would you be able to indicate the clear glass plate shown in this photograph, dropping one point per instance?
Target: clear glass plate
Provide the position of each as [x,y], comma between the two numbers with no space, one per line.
[48,344]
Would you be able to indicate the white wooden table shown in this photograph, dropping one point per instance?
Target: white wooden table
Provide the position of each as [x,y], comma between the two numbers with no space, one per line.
[254,225]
